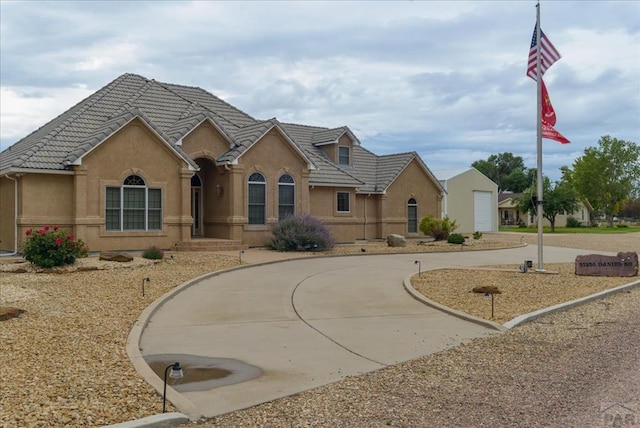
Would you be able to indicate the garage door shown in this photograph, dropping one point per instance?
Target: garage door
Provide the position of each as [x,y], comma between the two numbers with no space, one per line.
[482,211]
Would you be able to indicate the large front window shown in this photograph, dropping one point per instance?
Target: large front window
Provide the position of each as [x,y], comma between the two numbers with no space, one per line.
[286,196]
[257,199]
[133,206]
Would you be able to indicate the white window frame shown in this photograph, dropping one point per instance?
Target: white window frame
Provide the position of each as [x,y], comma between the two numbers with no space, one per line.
[147,210]
[263,183]
[291,184]
[341,156]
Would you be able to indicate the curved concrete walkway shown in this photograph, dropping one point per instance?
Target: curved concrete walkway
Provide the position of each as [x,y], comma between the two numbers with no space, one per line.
[311,321]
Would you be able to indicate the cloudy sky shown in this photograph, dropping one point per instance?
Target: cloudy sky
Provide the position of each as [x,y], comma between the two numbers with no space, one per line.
[446,79]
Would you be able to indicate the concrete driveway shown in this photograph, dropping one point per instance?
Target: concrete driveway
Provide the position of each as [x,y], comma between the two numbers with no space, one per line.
[310,322]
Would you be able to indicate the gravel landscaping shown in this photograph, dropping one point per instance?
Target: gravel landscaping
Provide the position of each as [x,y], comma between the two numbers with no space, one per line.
[65,363]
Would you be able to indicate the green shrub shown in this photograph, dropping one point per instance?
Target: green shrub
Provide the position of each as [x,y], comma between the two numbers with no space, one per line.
[477,234]
[522,226]
[573,222]
[153,253]
[622,225]
[49,247]
[455,238]
[438,228]
[301,233]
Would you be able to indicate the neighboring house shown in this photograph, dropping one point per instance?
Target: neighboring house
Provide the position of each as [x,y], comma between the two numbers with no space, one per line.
[471,199]
[510,216]
[508,211]
[142,163]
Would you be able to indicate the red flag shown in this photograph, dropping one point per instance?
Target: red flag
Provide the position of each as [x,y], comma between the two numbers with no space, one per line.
[548,55]
[549,132]
[548,113]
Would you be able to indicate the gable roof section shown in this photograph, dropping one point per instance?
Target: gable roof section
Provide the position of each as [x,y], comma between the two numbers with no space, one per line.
[391,166]
[246,137]
[169,110]
[172,112]
[331,136]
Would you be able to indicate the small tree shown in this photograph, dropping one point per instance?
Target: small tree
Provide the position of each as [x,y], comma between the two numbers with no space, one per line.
[438,228]
[558,198]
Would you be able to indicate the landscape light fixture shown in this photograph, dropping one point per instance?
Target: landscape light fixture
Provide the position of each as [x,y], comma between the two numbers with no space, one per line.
[176,373]
[143,281]
[487,296]
[240,255]
[417,262]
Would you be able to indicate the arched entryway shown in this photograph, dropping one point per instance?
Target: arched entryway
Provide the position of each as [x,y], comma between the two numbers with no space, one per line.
[209,201]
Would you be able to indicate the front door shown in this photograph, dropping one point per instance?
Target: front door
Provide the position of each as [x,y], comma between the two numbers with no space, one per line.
[196,211]
[196,205]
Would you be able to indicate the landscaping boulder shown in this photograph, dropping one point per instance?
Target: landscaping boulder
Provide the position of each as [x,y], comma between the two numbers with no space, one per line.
[116,257]
[394,240]
[7,312]
[490,289]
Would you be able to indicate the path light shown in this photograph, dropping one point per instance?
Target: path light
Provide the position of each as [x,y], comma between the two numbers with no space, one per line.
[417,262]
[240,255]
[487,296]
[176,373]
[489,291]
[143,281]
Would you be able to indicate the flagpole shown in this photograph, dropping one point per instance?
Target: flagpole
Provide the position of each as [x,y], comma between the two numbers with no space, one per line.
[539,200]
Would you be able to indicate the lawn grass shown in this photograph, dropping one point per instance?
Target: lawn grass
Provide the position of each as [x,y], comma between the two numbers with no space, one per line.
[559,230]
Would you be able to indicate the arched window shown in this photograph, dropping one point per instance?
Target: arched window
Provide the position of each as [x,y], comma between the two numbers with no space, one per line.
[133,206]
[257,199]
[412,216]
[286,196]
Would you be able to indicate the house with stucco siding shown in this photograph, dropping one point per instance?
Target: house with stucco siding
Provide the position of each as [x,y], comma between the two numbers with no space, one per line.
[141,163]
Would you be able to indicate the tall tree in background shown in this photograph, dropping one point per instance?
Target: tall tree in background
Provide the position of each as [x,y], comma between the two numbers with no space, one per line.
[631,209]
[559,197]
[606,175]
[506,170]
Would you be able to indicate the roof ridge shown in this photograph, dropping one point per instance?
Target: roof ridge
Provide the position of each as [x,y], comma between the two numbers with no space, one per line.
[324,128]
[397,154]
[132,99]
[168,86]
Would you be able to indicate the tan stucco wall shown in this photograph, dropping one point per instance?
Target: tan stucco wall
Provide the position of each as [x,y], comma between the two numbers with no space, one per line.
[132,150]
[204,141]
[415,183]
[7,215]
[272,156]
[385,214]
[344,226]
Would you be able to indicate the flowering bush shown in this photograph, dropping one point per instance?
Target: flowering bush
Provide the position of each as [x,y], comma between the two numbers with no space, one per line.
[49,247]
[301,233]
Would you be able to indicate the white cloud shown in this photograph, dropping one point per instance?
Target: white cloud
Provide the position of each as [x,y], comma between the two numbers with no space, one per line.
[25,109]
[445,79]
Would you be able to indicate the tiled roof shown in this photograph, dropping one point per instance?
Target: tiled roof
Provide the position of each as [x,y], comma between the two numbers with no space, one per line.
[172,111]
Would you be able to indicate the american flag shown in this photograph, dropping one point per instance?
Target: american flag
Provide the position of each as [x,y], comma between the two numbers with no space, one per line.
[548,54]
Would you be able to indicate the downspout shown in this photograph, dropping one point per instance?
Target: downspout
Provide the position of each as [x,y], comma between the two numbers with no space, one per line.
[365,216]
[15,216]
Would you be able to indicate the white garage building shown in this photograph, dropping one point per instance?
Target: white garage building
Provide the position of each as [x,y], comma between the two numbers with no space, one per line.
[471,199]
